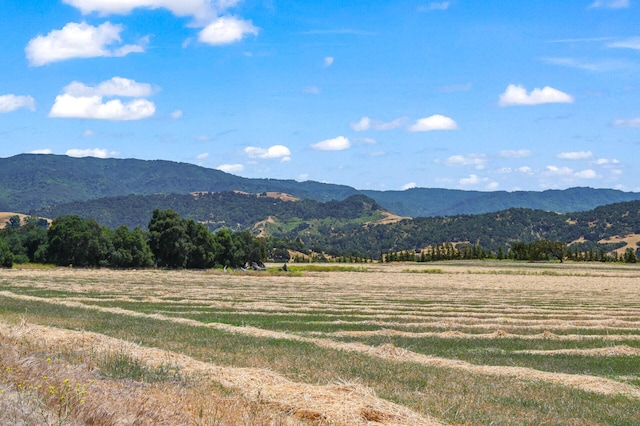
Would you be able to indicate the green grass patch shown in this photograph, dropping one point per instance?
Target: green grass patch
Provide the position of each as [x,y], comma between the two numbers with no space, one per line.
[500,352]
[121,365]
[425,271]
[326,268]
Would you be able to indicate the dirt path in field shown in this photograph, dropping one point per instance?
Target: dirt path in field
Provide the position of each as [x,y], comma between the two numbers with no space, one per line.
[341,403]
[389,352]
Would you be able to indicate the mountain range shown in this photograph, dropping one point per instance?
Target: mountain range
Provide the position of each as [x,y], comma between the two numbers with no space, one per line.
[32,182]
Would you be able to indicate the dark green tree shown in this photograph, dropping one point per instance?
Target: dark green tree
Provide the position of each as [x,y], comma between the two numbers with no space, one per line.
[129,249]
[168,239]
[6,257]
[203,247]
[76,241]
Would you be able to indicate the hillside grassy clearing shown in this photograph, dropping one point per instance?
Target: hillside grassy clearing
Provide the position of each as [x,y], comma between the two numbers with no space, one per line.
[476,343]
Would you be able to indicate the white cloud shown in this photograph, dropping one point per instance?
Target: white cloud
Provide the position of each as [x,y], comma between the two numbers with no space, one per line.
[177,114]
[337,144]
[81,101]
[117,86]
[525,169]
[517,95]
[609,4]
[225,30]
[202,156]
[471,180]
[443,5]
[606,162]
[629,43]
[520,153]
[88,133]
[199,9]
[628,122]
[368,141]
[434,122]
[560,171]
[576,155]
[477,160]
[67,106]
[276,151]
[366,123]
[96,152]
[587,174]
[491,186]
[41,151]
[409,185]
[78,41]
[230,168]
[603,65]
[303,177]
[362,125]
[328,61]
[10,103]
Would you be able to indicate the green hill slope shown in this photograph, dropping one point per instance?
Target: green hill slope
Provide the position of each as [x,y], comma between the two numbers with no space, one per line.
[30,182]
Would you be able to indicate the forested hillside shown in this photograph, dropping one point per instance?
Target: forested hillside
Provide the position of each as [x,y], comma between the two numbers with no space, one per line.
[423,202]
[490,230]
[218,210]
[356,225]
[31,182]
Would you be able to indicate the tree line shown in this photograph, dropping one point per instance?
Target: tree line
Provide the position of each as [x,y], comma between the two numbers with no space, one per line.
[538,250]
[169,242]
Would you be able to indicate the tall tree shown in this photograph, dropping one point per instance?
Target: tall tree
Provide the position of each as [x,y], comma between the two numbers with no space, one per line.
[168,239]
[76,241]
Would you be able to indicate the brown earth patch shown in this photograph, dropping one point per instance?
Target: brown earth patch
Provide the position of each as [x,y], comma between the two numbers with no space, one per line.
[389,218]
[631,242]
[4,218]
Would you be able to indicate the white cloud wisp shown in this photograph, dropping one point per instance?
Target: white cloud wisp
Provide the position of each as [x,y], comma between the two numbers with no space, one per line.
[336,144]
[276,151]
[81,101]
[10,103]
[78,40]
[516,95]
[434,122]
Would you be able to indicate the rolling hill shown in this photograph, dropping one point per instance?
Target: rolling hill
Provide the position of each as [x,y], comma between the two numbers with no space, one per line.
[30,182]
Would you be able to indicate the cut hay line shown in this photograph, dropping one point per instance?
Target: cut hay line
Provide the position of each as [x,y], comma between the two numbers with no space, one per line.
[545,335]
[341,403]
[582,382]
[618,350]
[382,309]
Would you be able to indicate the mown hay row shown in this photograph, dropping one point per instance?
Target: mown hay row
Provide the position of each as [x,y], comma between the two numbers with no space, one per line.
[582,382]
[341,403]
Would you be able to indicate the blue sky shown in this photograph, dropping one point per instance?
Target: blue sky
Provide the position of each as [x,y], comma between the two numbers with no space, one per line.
[385,95]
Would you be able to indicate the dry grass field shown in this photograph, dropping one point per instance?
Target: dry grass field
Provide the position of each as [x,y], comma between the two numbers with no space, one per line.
[410,344]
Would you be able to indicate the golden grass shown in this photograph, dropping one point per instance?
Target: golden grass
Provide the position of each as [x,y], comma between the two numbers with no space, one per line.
[468,300]
[631,242]
[340,403]
[4,218]
[583,382]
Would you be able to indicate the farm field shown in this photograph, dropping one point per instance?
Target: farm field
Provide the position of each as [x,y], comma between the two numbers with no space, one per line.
[468,342]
